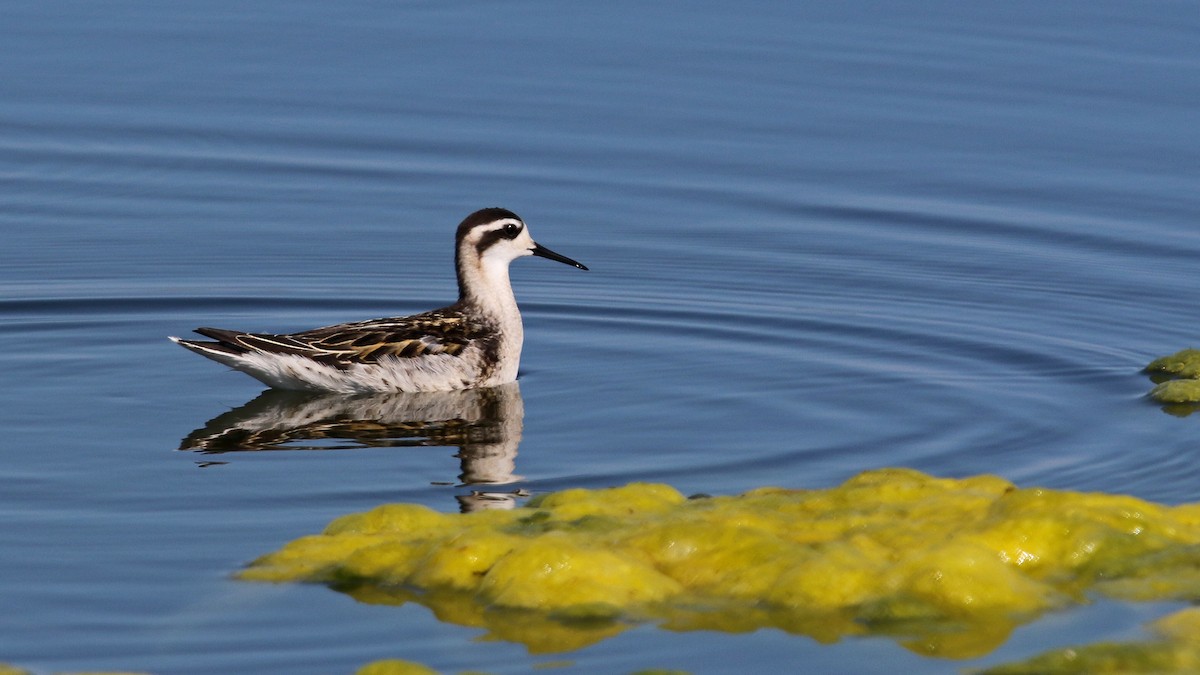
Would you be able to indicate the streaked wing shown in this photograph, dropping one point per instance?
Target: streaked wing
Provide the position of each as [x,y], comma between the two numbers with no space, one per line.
[436,332]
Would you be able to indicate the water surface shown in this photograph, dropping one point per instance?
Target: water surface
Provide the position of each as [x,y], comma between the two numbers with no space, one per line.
[822,239]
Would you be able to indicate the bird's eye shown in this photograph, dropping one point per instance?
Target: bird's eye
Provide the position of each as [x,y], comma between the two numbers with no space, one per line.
[511,230]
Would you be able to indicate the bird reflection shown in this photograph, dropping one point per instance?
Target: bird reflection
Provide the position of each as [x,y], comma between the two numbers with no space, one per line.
[485,424]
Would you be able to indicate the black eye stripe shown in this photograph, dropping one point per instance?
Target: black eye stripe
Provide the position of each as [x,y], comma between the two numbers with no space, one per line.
[509,231]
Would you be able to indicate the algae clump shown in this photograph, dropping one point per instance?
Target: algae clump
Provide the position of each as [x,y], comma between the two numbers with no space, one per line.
[395,667]
[1185,363]
[946,567]
[1183,370]
[1177,391]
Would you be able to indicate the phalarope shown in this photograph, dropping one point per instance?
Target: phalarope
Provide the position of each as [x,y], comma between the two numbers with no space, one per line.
[476,342]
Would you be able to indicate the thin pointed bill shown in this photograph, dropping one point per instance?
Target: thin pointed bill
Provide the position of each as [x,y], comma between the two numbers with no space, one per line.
[544,252]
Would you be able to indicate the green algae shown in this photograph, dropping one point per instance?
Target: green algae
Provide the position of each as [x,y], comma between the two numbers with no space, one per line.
[1185,363]
[1177,391]
[1173,648]
[945,567]
[395,667]
[1177,377]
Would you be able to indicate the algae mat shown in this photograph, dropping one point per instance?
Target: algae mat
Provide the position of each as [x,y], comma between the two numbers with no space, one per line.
[947,567]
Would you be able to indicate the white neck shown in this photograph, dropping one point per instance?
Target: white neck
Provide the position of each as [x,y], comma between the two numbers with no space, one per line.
[485,286]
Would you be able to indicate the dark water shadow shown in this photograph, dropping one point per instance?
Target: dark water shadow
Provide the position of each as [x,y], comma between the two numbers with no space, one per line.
[485,425]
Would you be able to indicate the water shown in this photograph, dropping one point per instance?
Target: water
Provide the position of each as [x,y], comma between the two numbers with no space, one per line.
[823,238]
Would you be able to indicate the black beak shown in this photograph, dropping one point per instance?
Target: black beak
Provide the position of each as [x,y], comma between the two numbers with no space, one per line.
[544,252]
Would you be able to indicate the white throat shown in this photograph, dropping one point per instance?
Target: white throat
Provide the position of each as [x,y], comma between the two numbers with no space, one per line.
[487,292]
[486,286]
[486,289]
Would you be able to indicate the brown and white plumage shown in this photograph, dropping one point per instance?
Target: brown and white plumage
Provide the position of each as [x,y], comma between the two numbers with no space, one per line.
[476,342]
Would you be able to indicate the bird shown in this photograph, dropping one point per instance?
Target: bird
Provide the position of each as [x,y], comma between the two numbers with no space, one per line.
[473,343]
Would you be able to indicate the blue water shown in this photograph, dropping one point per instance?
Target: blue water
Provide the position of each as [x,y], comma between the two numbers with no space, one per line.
[823,238]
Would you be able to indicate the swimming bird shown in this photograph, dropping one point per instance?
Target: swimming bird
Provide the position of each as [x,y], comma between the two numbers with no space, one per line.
[475,342]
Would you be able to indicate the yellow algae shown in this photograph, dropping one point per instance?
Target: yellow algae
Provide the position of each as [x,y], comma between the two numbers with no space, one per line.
[312,558]
[1051,534]
[410,519]
[838,575]
[461,560]
[1172,573]
[6,669]
[557,571]
[386,563]
[960,578]
[395,667]
[1183,626]
[630,500]
[711,556]
[946,567]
